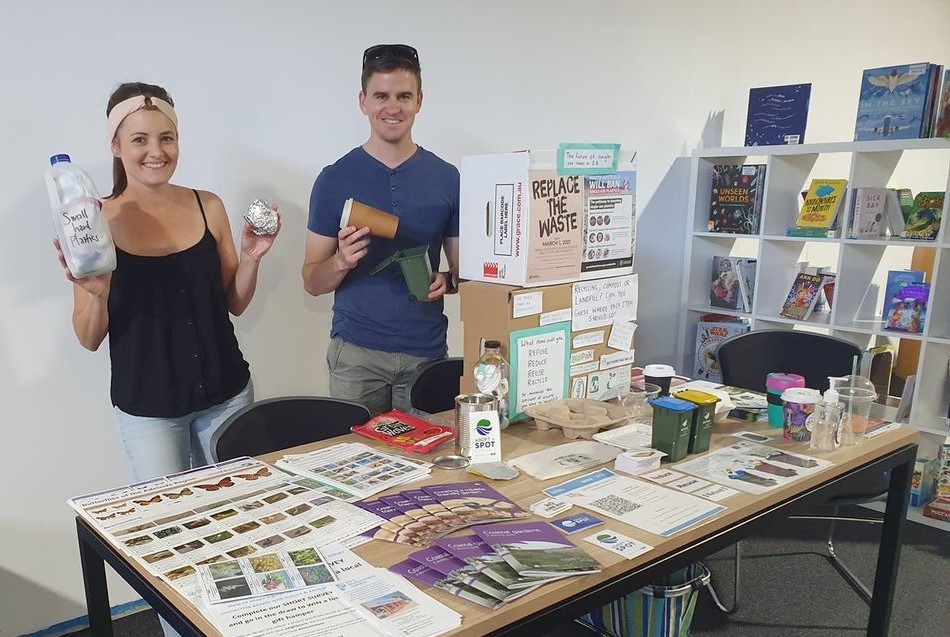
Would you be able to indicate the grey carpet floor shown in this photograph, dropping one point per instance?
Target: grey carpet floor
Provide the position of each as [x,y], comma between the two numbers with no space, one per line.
[789,589]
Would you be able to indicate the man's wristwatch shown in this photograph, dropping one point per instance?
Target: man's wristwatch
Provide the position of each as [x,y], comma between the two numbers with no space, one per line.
[451,282]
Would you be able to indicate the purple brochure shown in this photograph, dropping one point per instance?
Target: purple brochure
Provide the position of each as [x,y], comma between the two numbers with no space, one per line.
[434,507]
[475,502]
[456,570]
[414,510]
[476,553]
[425,575]
[399,527]
[537,548]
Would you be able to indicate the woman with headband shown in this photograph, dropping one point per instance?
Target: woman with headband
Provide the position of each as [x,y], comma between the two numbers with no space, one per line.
[177,371]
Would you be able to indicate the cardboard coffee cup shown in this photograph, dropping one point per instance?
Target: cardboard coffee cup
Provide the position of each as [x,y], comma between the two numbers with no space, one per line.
[659,375]
[380,224]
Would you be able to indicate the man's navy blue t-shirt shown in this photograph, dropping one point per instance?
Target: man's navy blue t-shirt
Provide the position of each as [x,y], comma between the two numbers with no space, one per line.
[375,311]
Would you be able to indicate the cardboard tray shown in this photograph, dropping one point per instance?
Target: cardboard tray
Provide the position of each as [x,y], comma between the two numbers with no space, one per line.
[577,417]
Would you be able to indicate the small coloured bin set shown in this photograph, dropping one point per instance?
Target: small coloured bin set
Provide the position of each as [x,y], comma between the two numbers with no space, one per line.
[682,424]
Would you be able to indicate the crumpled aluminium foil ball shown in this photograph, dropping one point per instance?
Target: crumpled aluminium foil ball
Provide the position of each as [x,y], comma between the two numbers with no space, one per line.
[261,217]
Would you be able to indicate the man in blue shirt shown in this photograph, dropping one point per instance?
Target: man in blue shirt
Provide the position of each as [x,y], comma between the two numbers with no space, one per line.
[379,337]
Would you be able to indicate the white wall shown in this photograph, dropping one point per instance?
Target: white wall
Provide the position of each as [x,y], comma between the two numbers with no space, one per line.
[266,94]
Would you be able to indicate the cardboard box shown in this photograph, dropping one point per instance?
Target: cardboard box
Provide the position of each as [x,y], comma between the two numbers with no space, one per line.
[492,312]
[923,481]
[939,509]
[521,223]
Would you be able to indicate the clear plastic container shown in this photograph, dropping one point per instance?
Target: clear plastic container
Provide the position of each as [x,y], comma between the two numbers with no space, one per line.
[636,401]
[81,228]
[857,393]
[824,423]
[491,377]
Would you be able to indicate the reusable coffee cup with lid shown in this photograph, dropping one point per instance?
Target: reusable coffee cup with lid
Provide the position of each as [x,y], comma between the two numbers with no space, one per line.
[798,403]
[380,224]
[775,384]
[659,375]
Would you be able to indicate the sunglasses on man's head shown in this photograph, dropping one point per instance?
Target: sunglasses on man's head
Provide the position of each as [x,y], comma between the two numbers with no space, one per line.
[397,51]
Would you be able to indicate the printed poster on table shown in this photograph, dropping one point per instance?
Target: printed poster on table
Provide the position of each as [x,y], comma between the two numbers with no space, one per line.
[540,365]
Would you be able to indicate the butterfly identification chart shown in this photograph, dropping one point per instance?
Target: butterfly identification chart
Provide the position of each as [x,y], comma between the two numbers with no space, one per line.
[235,509]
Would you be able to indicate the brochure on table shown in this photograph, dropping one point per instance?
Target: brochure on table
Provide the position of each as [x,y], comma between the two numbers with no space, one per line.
[752,467]
[364,602]
[235,509]
[650,507]
[356,469]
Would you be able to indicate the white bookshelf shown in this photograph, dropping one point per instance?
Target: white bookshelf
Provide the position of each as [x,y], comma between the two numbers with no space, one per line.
[861,264]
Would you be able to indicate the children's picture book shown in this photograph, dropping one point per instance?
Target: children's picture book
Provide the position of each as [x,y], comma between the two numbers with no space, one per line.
[896,280]
[896,102]
[724,284]
[907,310]
[943,109]
[867,218]
[736,199]
[537,548]
[709,334]
[821,203]
[801,299]
[923,220]
[777,115]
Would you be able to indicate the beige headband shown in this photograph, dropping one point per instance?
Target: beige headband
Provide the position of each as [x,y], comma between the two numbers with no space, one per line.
[126,107]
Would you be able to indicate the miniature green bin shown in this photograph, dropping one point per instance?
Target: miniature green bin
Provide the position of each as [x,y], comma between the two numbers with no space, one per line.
[672,423]
[702,422]
[416,270]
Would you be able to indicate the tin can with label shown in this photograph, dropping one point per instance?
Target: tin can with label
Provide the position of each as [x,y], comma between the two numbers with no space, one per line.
[467,409]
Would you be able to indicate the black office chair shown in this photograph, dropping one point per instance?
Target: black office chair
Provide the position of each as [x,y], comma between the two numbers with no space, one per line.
[435,387]
[748,358]
[278,423]
[745,360]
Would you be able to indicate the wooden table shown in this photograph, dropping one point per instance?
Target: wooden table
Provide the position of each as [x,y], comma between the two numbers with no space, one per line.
[559,602]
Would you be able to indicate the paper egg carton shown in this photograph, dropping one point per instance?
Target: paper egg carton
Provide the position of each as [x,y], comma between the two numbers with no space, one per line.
[577,417]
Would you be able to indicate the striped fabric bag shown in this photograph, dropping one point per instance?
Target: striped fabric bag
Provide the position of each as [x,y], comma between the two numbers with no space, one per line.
[657,610]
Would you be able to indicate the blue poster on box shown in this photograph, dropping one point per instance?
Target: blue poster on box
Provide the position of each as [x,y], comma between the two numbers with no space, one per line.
[777,115]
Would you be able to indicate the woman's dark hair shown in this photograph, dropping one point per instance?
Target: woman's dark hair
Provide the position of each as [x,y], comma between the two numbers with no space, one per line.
[123,92]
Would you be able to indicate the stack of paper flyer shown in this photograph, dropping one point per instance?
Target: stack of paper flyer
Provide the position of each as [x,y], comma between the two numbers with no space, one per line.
[563,459]
[752,467]
[362,601]
[650,507]
[499,563]
[173,525]
[419,516]
[356,469]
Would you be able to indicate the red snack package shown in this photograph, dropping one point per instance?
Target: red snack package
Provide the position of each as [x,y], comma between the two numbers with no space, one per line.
[405,432]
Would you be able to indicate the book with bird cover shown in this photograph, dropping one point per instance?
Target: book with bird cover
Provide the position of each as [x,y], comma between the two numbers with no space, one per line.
[897,102]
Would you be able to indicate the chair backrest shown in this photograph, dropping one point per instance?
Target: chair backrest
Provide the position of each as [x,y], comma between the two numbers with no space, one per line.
[436,385]
[277,423]
[746,359]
